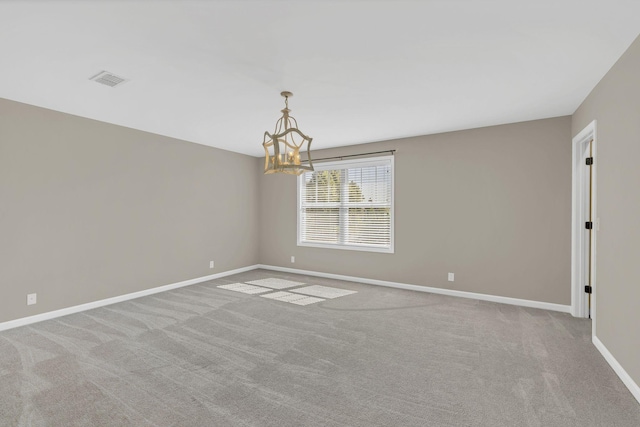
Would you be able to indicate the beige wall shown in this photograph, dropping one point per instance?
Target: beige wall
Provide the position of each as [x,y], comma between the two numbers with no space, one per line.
[615,104]
[492,205]
[90,210]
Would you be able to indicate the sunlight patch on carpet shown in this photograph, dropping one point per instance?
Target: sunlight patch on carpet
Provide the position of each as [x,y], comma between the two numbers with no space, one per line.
[292,298]
[323,291]
[244,288]
[275,283]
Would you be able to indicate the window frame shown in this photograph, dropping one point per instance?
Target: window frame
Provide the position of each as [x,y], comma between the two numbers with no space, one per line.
[347,164]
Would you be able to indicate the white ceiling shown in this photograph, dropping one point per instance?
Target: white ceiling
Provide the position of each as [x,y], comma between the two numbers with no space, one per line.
[211,72]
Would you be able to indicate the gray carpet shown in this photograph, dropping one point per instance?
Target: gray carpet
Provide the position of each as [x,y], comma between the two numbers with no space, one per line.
[203,356]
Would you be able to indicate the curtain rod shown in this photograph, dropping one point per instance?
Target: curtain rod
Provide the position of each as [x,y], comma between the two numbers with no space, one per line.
[352,155]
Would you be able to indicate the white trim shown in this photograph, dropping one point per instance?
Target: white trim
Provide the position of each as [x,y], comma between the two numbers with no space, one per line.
[618,369]
[340,164]
[594,234]
[108,301]
[349,247]
[461,294]
[578,297]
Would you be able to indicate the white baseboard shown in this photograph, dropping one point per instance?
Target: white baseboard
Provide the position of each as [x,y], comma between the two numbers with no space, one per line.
[462,294]
[617,367]
[619,370]
[101,303]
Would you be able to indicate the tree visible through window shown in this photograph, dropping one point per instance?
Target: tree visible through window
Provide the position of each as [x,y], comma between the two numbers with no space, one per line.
[348,205]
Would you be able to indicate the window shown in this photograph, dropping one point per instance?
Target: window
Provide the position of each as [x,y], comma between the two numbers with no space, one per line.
[347,205]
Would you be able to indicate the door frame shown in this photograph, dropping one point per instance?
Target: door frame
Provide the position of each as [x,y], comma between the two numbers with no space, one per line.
[580,178]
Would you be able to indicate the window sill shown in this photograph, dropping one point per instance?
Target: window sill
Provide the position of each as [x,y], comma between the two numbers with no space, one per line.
[347,247]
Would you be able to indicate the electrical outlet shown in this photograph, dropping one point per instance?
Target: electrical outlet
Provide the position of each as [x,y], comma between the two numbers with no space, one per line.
[451,277]
[211,264]
[32,299]
[293,259]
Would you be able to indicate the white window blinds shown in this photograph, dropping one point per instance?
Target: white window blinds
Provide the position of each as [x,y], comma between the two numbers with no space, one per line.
[348,205]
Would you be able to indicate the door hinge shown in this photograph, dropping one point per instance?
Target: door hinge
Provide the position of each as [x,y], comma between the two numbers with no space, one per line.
[588,289]
[588,225]
[589,161]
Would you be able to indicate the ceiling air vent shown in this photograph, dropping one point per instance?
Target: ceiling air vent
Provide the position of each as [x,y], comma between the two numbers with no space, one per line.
[107,78]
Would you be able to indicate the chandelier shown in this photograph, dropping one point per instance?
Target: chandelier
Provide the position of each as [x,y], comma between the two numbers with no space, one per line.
[282,148]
